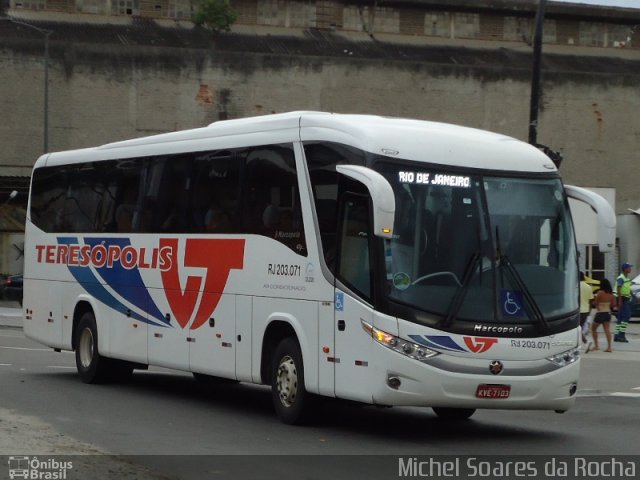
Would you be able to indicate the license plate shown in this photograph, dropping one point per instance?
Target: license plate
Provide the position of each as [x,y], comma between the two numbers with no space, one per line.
[493,391]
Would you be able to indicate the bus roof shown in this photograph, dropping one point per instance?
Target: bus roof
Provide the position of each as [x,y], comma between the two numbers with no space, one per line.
[418,140]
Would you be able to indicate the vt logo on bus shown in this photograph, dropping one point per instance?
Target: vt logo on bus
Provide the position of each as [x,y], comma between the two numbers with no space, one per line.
[479,344]
[109,269]
[218,257]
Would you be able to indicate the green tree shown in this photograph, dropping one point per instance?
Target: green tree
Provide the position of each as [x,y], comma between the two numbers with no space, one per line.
[215,15]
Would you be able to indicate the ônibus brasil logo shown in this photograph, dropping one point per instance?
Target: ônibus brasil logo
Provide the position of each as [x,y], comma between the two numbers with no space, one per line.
[116,263]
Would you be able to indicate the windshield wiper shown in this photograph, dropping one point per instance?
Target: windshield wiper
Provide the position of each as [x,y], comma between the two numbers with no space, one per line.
[461,293]
[526,293]
[517,279]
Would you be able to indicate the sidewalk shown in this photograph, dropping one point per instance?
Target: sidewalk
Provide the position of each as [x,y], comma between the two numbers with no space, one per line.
[11,314]
[633,335]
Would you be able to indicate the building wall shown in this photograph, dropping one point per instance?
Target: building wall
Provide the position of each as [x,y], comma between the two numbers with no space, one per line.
[504,21]
[629,233]
[99,94]
[98,98]
[432,20]
[11,253]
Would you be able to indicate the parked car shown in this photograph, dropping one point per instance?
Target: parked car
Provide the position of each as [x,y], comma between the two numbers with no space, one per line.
[11,288]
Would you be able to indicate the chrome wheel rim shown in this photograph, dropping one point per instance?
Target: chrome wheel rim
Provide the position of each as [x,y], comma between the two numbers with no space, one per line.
[287,381]
[85,347]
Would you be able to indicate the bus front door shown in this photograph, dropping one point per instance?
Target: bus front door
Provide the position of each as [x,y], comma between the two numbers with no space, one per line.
[352,343]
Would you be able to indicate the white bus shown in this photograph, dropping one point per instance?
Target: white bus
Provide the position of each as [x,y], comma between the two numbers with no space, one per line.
[381,260]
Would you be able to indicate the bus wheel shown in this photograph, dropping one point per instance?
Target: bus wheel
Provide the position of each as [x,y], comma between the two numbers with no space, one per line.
[447,413]
[92,367]
[290,399]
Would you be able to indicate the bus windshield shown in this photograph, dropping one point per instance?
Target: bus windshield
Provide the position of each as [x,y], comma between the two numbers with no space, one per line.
[478,248]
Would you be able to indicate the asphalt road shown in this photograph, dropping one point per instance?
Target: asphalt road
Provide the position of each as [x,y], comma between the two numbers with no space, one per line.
[162,424]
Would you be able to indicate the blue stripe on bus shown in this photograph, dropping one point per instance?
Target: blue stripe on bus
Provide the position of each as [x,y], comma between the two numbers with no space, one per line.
[85,277]
[438,342]
[127,283]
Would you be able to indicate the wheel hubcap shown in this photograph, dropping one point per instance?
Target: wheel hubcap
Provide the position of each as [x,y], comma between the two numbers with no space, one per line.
[287,381]
[86,347]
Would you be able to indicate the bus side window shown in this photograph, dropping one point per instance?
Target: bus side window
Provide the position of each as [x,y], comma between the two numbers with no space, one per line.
[127,178]
[167,187]
[107,188]
[47,197]
[326,211]
[272,197]
[124,217]
[353,260]
[90,197]
[81,199]
[322,158]
[214,205]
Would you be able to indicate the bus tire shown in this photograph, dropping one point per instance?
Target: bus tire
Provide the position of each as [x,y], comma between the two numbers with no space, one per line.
[454,414]
[290,399]
[92,367]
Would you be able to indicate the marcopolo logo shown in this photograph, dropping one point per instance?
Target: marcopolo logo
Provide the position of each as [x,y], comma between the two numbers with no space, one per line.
[38,469]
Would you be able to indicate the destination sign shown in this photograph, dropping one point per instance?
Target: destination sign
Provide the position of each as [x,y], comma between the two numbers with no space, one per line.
[440,179]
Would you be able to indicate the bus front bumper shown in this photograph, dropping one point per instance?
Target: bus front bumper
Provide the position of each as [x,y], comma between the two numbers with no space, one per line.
[400,380]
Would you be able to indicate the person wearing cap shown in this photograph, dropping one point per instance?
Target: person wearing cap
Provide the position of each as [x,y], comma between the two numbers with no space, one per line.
[623,283]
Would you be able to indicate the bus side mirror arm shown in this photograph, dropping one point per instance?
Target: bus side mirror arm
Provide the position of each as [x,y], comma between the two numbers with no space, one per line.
[606,215]
[384,201]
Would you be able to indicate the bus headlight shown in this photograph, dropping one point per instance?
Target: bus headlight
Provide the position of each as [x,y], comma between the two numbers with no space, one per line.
[565,358]
[399,345]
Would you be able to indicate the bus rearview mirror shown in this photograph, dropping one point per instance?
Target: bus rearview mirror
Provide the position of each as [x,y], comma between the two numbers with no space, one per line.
[384,201]
[606,215]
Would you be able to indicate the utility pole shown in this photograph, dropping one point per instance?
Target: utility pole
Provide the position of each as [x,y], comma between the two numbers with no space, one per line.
[555,156]
[535,78]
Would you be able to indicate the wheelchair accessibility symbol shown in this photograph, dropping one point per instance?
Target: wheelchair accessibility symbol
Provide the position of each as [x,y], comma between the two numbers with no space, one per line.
[339,301]
[511,301]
